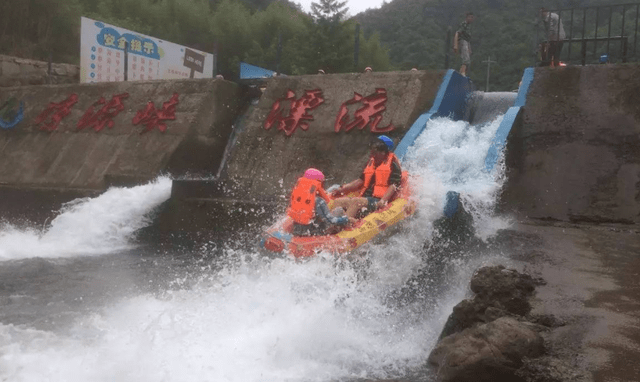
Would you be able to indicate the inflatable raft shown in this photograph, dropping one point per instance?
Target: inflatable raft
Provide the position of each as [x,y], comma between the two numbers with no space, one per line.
[278,238]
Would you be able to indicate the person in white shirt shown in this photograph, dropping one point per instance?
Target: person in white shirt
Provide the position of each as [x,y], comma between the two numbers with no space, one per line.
[555,38]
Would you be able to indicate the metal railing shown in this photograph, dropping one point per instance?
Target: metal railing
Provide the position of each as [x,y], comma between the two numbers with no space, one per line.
[594,35]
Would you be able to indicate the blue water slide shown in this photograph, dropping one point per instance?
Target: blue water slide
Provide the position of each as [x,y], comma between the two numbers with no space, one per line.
[451,102]
[499,140]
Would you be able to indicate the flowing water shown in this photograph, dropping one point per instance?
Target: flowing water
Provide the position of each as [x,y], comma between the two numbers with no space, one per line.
[80,300]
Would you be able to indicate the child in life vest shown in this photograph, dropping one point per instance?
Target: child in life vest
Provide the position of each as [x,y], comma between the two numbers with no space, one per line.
[308,207]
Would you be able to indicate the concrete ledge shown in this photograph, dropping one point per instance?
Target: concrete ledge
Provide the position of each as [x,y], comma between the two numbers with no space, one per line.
[33,207]
[264,163]
[16,71]
[267,162]
[72,157]
[575,155]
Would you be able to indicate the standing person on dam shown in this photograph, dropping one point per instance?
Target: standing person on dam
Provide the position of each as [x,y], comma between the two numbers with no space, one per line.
[379,182]
[554,33]
[462,42]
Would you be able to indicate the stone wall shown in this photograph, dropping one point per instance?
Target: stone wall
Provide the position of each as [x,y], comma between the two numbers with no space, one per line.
[16,71]
[266,161]
[574,155]
[87,136]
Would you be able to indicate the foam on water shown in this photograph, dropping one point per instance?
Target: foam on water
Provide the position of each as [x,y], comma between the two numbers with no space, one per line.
[279,321]
[454,153]
[88,226]
[258,319]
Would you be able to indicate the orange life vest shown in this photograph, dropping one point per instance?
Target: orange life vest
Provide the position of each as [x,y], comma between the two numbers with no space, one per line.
[303,200]
[383,172]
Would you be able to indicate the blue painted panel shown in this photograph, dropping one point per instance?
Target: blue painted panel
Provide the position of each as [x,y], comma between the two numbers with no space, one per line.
[527,79]
[248,71]
[500,138]
[454,100]
[451,204]
[442,91]
[16,120]
[450,101]
[507,122]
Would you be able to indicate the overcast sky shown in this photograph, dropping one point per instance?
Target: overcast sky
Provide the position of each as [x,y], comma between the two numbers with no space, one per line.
[355,6]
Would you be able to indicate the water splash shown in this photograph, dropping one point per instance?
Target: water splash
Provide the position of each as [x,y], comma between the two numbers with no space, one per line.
[88,226]
[451,156]
[254,319]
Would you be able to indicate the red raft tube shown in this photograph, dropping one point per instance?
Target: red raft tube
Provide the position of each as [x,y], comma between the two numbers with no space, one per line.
[278,238]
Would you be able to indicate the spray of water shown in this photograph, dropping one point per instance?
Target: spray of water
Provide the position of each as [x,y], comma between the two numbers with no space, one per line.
[96,226]
[255,319]
[454,153]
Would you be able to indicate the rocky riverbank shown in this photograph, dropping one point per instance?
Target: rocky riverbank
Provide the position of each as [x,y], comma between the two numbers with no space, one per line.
[493,336]
[571,314]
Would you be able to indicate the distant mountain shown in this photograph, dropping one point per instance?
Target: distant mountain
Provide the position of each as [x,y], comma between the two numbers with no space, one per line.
[415,32]
[261,5]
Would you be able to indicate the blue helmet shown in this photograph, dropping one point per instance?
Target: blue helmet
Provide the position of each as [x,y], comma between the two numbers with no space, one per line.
[387,141]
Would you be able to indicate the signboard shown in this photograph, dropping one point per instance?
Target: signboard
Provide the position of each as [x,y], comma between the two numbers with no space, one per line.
[102,56]
[193,61]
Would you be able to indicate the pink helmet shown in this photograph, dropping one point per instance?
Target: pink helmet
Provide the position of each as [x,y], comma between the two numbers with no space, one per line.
[314,174]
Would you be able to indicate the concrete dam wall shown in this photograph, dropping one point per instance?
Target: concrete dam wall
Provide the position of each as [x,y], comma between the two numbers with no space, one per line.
[574,155]
[80,139]
[81,136]
[322,121]
[571,155]
[346,113]
[16,71]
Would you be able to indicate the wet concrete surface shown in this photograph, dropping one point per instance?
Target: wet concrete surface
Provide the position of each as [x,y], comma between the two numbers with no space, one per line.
[593,286]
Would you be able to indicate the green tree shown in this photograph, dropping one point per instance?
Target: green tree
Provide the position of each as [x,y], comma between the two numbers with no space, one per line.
[330,38]
[280,24]
[232,30]
[39,28]
[372,54]
[274,34]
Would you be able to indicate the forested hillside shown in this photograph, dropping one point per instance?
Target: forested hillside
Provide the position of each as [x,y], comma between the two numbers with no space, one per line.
[415,33]
[402,34]
[238,30]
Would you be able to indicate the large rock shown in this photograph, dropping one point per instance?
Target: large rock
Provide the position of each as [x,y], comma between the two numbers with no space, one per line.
[489,352]
[499,292]
[506,287]
[551,369]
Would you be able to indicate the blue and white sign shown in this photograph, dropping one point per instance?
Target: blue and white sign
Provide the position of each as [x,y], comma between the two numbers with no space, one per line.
[102,56]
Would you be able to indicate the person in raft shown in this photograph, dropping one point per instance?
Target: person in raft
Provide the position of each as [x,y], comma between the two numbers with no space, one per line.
[378,183]
[309,210]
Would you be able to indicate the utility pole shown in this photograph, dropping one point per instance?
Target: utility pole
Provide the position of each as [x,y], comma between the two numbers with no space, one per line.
[447,48]
[489,62]
[356,49]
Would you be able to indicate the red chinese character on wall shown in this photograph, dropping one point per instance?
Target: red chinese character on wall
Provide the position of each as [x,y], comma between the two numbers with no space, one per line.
[298,111]
[103,117]
[370,114]
[59,111]
[153,118]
